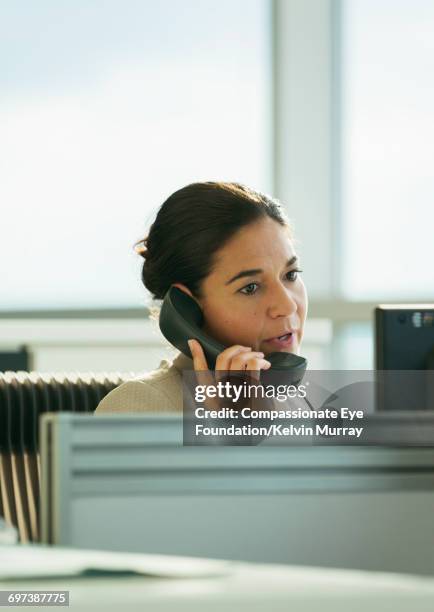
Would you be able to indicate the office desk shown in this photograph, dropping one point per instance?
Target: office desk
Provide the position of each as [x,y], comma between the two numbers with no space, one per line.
[242,586]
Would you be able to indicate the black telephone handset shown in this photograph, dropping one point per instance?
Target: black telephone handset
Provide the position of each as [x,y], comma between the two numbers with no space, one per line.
[181,318]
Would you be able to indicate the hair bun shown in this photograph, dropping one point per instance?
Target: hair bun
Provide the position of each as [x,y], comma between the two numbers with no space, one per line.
[141,248]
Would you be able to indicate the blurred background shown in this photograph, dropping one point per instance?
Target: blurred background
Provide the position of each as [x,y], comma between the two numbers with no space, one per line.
[107,107]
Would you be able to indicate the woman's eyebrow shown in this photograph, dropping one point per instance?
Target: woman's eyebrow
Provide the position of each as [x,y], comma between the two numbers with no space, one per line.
[254,271]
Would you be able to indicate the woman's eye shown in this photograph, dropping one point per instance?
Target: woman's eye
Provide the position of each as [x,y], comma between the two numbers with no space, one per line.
[293,275]
[249,289]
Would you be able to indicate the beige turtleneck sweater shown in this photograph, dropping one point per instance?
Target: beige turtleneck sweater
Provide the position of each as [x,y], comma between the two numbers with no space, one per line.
[156,391]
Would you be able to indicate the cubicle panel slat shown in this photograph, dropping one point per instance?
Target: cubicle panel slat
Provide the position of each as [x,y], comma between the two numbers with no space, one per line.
[27,454]
[149,483]
[16,425]
[21,499]
[7,488]
[32,485]
[116,455]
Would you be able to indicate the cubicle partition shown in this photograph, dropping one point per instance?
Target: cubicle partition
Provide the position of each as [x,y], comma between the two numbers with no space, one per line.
[125,482]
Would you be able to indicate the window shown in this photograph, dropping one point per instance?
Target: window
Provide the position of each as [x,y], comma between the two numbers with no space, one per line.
[107,107]
[387,210]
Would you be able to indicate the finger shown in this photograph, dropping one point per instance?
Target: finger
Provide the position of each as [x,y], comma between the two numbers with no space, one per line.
[199,359]
[249,361]
[224,359]
[250,365]
[203,374]
[253,374]
[254,367]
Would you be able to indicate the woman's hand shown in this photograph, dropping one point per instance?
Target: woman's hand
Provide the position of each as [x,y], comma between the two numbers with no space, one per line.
[235,358]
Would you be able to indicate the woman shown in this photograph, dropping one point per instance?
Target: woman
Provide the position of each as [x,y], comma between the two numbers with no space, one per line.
[231,249]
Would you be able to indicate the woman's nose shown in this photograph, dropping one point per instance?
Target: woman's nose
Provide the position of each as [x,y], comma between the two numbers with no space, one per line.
[283,303]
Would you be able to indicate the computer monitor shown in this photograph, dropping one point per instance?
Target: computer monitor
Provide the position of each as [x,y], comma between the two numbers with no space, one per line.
[404,353]
[404,336]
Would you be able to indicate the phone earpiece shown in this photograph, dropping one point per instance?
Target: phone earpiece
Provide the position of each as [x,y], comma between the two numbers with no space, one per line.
[181,318]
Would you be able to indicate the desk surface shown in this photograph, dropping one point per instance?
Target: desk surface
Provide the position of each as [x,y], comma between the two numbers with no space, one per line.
[238,587]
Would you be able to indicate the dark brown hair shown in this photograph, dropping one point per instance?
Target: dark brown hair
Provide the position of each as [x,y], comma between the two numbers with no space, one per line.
[192,225]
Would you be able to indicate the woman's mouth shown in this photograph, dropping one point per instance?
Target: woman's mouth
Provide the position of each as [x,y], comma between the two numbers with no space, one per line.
[281,342]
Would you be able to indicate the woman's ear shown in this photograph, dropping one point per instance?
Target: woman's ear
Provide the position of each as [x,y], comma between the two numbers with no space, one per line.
[183,288]
[188,292]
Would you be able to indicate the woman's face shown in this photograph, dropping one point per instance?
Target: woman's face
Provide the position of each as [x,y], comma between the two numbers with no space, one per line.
[254,295]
